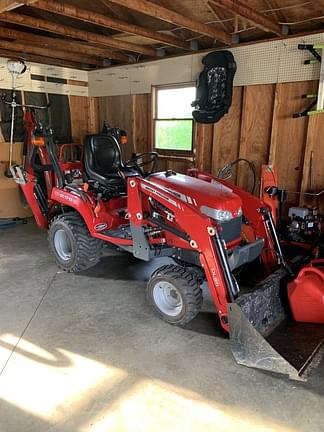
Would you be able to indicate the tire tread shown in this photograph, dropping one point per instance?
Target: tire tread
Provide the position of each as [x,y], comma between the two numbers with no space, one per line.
[188,283]
[88,248]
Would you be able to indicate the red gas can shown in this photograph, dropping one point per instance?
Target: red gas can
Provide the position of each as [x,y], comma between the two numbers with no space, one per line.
[306,293]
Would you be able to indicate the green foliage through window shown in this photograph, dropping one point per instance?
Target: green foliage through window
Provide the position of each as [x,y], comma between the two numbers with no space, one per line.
[173,134]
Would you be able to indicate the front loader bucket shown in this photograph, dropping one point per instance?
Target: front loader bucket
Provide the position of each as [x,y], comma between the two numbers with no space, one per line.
[263,337]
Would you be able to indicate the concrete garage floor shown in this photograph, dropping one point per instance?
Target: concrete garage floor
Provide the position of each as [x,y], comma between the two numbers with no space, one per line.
[86,353]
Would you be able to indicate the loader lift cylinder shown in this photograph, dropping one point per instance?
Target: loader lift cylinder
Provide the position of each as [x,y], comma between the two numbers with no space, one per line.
[232,287]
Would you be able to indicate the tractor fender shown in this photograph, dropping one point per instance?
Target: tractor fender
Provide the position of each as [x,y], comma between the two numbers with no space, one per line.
[95,219]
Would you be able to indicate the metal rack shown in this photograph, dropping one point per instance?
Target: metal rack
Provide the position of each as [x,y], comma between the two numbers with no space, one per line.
[317,99]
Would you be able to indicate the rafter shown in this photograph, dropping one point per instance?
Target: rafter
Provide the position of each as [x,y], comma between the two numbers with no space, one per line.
[22,47]
[170,16]
[255,17]
[61,44]
[63,30]
[108,22]
[8,5]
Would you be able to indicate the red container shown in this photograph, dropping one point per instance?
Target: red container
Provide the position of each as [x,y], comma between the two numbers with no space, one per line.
[306,293]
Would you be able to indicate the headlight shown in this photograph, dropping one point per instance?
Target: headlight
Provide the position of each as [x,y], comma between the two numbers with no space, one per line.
[220,215]
[223,215]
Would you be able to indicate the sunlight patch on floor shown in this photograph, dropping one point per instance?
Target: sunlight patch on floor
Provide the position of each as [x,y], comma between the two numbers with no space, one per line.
[48,384]
[81,394]
[154,406]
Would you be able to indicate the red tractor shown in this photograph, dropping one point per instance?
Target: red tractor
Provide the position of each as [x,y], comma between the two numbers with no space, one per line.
[87,197]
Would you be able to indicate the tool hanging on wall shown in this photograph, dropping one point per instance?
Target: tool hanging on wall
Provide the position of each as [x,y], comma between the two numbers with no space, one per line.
[15,68]
[318,99]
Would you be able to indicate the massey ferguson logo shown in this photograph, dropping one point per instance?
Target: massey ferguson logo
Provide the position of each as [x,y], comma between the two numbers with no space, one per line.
[185,198]
[100,226]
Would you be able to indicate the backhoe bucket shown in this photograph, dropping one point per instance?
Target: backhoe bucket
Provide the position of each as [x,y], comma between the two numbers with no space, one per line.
[263,337]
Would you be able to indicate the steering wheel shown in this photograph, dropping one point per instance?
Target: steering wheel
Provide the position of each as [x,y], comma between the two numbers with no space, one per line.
[141,160]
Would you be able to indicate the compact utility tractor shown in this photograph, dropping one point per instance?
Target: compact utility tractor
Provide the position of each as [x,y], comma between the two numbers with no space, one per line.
[87,197]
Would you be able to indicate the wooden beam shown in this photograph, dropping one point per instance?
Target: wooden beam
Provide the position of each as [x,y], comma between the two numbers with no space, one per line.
[42,60]
[7,5]
[170,16]
[63,30]
[204,146]
[108,22]
[255,17]
[61,44]
[48,52]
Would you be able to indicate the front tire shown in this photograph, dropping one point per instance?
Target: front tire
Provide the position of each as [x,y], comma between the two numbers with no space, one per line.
[175,294]
[73,247]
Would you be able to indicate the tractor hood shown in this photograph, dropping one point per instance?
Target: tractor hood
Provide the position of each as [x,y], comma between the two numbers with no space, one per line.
[212,199]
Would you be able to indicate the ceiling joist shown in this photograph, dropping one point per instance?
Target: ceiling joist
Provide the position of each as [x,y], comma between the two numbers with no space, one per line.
[22,47]
[63,30]
[255,17]
[61,44]
[70,11]
[43,60]
[8,5]
[170,16]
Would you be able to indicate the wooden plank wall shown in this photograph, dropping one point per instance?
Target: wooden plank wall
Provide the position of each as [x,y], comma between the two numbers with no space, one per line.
[132,113]
[259,127]
[84,117]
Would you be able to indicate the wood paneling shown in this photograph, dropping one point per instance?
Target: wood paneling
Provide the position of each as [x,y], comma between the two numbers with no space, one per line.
[288,137]
[79,109]
[257,112]
[132,113]
[141,136]
[93,115]
[227,131]
[117,111]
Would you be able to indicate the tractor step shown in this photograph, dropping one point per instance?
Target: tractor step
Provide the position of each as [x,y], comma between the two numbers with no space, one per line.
[123,232]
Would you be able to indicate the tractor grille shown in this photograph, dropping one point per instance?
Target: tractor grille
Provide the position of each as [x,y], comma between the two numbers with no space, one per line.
[231,230]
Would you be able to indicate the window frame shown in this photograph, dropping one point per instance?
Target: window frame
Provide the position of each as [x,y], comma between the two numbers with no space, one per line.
[154,119]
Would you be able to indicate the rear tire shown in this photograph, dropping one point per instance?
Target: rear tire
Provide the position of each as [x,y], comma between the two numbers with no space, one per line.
[175,294]
[73,247]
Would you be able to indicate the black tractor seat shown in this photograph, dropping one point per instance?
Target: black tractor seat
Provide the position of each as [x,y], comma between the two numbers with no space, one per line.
[103,163]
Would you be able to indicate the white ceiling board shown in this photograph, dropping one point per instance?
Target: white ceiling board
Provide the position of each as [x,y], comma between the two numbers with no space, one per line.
[25,83]
[58,72]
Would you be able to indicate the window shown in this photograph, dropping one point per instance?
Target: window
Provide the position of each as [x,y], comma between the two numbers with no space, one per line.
[173,124]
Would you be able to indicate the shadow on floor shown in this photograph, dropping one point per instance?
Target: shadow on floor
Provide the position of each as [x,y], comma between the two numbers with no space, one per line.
[206,323]
[125,267]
